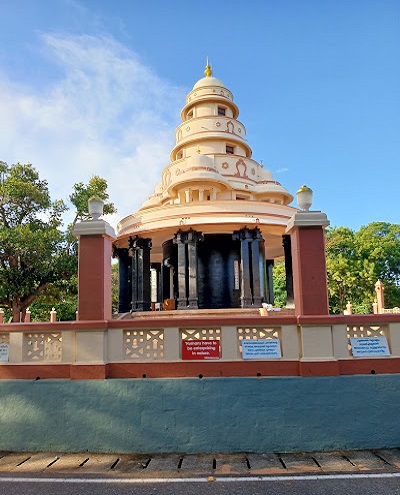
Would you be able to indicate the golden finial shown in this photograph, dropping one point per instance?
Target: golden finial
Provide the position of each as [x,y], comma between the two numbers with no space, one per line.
[208,71]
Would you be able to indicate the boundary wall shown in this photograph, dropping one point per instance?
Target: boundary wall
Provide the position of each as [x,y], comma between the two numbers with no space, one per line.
[273,414]
[110,386]
[152,347]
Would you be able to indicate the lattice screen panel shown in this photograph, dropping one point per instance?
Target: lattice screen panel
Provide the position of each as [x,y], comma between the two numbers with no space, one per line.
[200,333]
[362,331]
[144,345]
[42,347]
[257,333]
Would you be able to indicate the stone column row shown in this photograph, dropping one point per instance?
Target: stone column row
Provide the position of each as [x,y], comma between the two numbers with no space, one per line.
[187,268]
[124,279]
[141,291]
[251,243]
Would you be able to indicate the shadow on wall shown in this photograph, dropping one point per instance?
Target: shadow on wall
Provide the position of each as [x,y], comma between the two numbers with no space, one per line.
[198,416]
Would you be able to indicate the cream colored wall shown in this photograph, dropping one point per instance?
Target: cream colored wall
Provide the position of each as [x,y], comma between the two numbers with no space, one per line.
[307,342]
[207,122]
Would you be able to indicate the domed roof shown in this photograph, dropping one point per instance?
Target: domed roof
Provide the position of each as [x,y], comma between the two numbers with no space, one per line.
[200,160]
[209,81]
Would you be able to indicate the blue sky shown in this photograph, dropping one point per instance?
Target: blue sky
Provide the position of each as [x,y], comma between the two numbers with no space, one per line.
[96,86]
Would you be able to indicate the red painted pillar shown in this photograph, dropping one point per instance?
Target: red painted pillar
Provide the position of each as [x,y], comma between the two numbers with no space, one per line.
[94,269]
[306,229]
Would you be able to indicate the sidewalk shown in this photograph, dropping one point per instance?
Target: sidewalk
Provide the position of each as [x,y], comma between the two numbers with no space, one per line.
[195,465]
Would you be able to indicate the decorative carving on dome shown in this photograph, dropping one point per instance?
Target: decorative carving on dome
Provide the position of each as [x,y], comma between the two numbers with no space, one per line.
[179,135]
[253,171]
[241,168]
[178,171]
[230,127]
[188,128]
[239,130]
[207,169]
[178,235]
[166,179]
[225,165]
[217,124]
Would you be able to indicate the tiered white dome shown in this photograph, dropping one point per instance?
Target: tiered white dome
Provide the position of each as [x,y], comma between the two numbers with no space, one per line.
[211,179]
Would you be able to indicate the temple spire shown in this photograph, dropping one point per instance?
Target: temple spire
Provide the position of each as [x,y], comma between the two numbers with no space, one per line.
[208,71]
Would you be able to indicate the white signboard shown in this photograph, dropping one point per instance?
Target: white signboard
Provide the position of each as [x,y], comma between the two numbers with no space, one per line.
[261,349]
[369,346]
[3,353]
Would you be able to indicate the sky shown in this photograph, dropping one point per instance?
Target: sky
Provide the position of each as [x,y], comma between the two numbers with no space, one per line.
[95,87]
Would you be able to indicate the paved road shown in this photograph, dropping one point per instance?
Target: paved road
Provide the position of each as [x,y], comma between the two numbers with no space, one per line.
[351,486]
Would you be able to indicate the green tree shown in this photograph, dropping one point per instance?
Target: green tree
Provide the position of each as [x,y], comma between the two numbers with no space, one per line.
[357,259]
[63,295]
[279,278]
[38,260]
[97,186]
[114,287]
[33,249]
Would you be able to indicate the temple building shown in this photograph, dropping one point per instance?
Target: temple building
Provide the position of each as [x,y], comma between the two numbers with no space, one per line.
[209,235]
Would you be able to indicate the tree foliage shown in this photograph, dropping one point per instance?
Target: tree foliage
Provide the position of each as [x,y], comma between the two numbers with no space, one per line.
[279,278]
[97,186]
[357,259]
[38,260]
[33,249]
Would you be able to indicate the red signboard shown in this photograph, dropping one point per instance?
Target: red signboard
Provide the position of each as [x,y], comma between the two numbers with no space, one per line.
[200,349]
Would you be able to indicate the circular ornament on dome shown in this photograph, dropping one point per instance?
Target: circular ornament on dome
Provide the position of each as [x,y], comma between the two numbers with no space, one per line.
[188,128]
[177,171]
[195,94]
[253,171]
[239,130]
[217,124]
[225,165]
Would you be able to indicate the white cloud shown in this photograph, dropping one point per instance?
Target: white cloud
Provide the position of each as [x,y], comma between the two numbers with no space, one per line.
[107,114]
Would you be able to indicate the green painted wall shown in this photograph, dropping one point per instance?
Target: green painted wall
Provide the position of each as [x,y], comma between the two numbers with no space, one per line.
[201,415]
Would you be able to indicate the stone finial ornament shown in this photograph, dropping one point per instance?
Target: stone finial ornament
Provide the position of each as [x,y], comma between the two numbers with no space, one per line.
[95,205]
[304,198]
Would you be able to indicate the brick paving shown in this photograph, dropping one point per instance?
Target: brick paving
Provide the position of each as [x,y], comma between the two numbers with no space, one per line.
[181,465]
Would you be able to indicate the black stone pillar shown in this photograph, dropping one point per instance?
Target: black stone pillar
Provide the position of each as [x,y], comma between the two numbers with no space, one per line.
[270,282]
[251,244]
[141,291]
[287,248]
[187,268]
[124,279]
[182,269]
[255,268]
[245,237]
